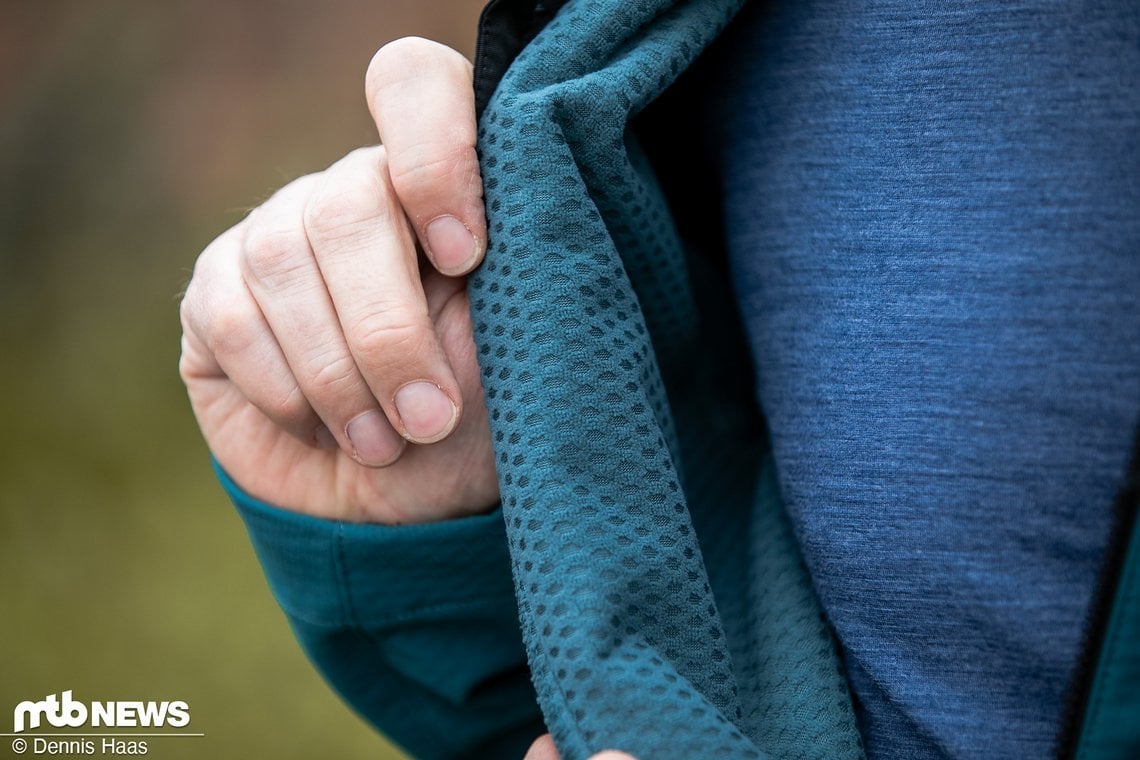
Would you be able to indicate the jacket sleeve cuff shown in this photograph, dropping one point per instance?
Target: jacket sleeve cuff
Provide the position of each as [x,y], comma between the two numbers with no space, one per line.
[415,626]
[335,574]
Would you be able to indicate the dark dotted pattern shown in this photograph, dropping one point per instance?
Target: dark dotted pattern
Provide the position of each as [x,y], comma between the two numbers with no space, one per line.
[624,638]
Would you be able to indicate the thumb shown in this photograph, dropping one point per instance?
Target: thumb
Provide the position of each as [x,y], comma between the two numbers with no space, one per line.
[422,101]
[544,749]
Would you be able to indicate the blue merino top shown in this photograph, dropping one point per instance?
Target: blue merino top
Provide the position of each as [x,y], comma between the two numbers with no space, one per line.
[932,214]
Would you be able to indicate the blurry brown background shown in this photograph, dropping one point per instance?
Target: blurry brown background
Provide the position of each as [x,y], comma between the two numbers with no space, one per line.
[131,133]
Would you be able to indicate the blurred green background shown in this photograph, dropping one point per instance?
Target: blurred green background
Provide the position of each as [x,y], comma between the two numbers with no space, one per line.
[131,133]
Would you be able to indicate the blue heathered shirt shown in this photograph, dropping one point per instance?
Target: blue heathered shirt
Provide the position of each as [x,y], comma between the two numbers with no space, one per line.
[932,213]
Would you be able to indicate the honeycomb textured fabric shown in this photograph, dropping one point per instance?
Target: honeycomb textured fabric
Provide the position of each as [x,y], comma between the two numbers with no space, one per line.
[664,606]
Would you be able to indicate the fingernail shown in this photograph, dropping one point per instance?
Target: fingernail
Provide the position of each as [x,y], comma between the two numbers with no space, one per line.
[374,442]
[451,245]
[426,411]
[324,438]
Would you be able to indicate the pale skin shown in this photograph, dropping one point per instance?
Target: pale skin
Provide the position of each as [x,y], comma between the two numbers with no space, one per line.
[327,346]
[329,371]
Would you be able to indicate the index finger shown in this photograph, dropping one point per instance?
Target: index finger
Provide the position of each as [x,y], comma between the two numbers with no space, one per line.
[421,98]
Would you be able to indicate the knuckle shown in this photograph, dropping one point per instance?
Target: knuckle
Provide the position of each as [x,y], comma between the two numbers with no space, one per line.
[289,409]
[271,248]
[430,168]
[231,330]
[190,308]
[332,376]
[188,367]
[388,345]
[340,208]
[205,279]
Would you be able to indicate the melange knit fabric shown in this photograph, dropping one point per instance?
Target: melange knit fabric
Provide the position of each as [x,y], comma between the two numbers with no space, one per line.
[664,606]
[933,216]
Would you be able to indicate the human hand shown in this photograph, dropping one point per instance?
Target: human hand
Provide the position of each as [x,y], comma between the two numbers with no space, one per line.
[544,749]
[331,370]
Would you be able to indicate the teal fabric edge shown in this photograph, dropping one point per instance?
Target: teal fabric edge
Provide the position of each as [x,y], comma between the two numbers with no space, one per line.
[1111,728]
[589,343]
[335,573]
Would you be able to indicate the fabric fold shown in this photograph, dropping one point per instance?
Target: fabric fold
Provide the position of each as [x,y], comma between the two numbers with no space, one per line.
[584,299]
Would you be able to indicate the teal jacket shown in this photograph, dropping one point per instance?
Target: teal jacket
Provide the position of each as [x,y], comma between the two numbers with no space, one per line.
[640,587]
